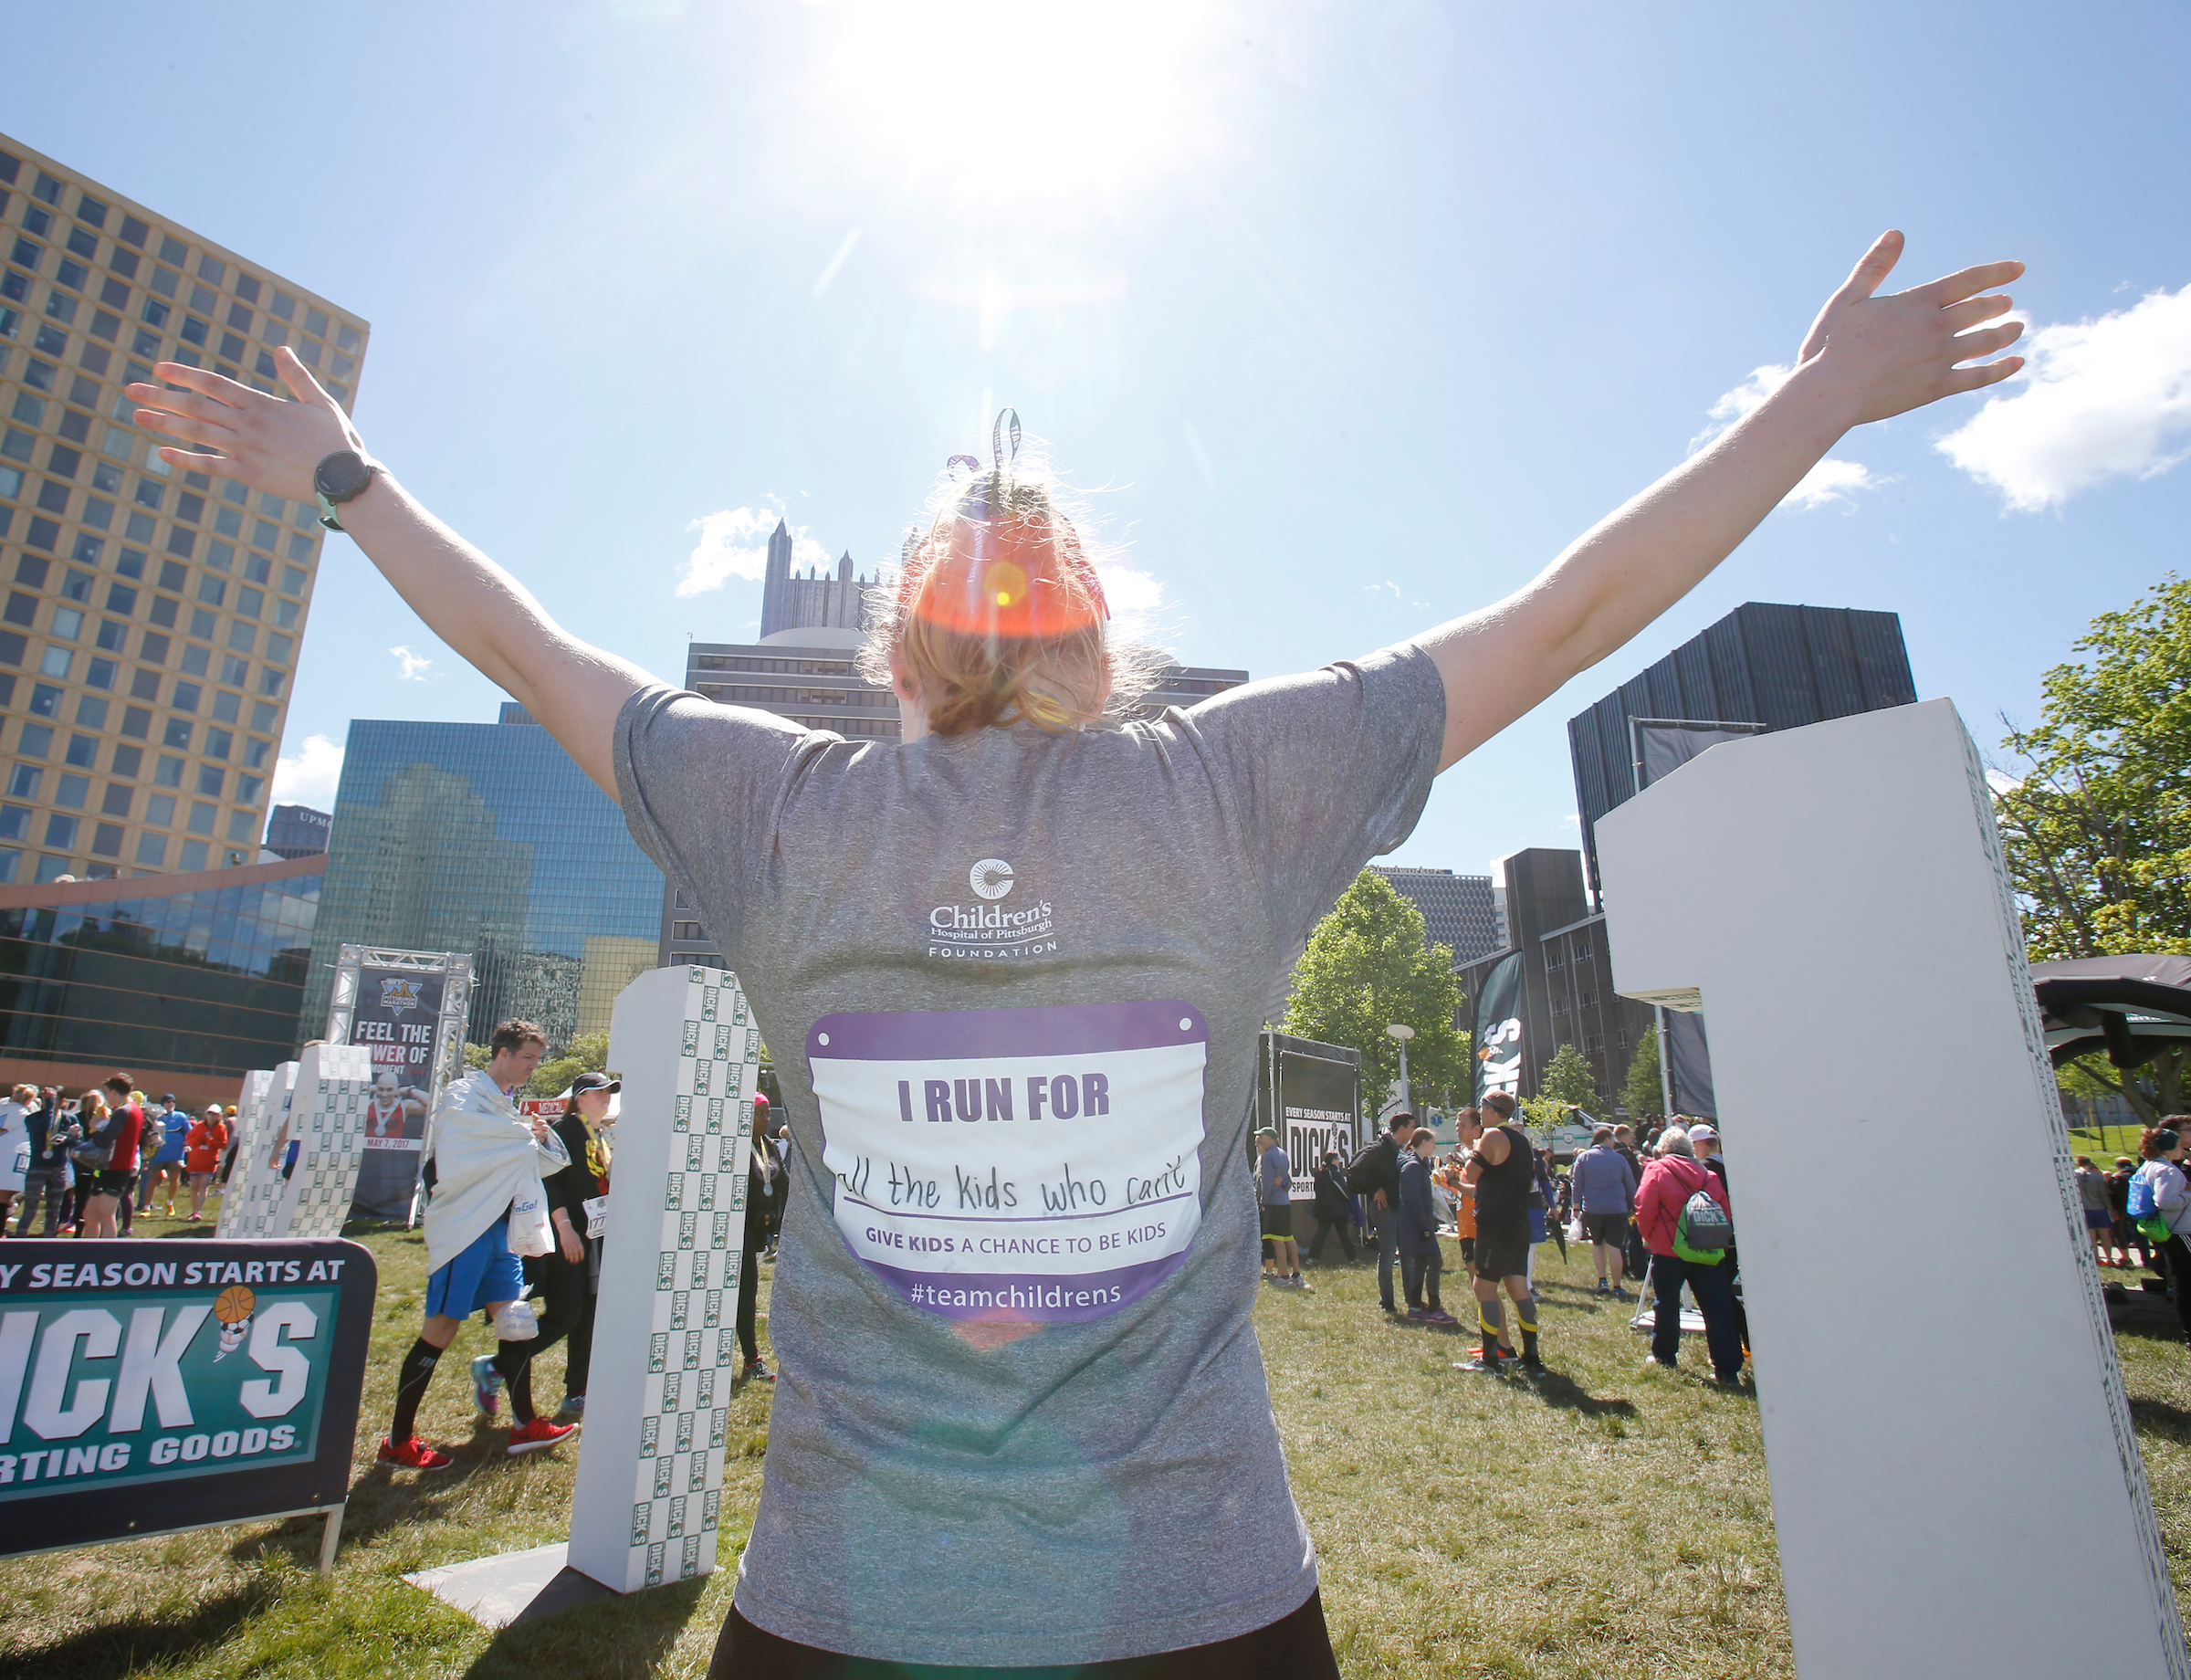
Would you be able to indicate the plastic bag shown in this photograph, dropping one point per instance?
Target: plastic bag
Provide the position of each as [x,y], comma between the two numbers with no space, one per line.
[1576,1230]
[528,1233]
[517,1322]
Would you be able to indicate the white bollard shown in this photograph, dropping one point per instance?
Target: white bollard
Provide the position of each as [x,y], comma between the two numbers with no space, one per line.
[1957,1487]
[650,1470]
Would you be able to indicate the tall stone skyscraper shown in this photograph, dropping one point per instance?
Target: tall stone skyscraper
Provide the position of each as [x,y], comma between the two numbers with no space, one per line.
[152,618]
[815,602]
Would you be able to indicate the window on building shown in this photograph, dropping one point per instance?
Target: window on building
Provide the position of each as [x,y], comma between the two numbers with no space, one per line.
[101,673]
[196,660]
[163,611]
[74,792]
[219,743]
[176,735]
[15,822]
[112,635]
[210,782]
[168,771]
[83,751]
[91,711]
[192,857]
[234,671]
[34,740]
[54,661]
[128,760]
[68,624]
[211,589]
[202,623]
[224,708]
[60,832]
[201,818]
[270,680]
[106,840]
[115,800]
[45,700]
[247,789]
[136,723]
[160,809]
[257,752]
[151,850]
[263,713]
[23,780]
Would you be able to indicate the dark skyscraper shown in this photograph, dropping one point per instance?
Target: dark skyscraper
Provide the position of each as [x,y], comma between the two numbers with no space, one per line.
[1777,667]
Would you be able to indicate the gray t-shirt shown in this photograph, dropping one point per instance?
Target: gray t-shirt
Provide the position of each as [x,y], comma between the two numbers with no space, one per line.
[1013,984]
[1277,1175]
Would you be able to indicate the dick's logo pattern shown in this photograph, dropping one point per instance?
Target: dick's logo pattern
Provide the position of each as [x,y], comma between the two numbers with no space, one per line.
[693,1348]
[247,1207]
[332,1132]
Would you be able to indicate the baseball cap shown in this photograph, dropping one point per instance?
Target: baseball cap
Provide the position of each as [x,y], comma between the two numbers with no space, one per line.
[595,1082]
[1707,1132]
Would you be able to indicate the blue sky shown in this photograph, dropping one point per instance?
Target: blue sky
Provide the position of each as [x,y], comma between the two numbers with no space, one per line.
[1348,318]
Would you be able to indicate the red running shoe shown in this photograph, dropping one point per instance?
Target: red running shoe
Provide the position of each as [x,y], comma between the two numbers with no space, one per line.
[531,1437]
[414,1454]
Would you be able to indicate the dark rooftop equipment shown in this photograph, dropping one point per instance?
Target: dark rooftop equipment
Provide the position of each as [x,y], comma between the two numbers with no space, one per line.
[1764,664]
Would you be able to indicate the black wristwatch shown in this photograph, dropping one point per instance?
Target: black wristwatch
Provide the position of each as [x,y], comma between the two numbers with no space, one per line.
[342,477]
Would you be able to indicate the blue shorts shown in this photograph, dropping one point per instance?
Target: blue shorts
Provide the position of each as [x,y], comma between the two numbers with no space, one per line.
[481,1276]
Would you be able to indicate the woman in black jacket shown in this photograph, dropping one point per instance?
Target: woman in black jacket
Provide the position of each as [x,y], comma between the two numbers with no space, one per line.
[1335,1208]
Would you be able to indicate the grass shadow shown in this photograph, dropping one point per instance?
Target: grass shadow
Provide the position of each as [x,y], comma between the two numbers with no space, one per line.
[625,1635]
[378,1502]
[2158,1417]
[121,1648]
[1566,1394]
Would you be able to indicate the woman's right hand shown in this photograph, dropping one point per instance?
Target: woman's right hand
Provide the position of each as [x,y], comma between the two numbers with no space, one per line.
[267,443]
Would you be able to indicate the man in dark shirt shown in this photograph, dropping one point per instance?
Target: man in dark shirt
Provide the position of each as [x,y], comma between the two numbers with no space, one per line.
[568,1281]
[1504,1173]
[1375,1174]
[48,1177]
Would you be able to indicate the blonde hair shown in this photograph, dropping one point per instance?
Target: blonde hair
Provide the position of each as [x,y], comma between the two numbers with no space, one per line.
[999,618]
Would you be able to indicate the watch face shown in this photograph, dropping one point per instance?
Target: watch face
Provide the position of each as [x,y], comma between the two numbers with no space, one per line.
[341,475]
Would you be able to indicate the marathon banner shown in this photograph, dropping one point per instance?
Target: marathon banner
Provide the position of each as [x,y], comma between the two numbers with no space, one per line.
[203,1382]
[1498,1039]
[397,1017]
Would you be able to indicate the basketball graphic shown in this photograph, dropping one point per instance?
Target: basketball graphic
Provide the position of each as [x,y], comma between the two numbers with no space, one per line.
[232,1307]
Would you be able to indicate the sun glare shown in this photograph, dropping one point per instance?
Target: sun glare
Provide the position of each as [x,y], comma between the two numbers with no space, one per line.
[986,107]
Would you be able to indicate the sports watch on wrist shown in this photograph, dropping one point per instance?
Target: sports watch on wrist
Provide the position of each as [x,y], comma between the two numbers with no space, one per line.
[341,476]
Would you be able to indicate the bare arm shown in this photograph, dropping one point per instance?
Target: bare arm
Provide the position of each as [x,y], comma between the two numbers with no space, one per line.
[573,690]
[1866,358]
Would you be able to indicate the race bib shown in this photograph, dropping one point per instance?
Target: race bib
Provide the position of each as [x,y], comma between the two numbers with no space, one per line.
[597,1214]
[1029,1165]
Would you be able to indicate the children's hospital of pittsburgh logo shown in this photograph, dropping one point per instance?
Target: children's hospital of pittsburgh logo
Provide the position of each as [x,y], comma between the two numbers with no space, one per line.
[985,927]
[398,994]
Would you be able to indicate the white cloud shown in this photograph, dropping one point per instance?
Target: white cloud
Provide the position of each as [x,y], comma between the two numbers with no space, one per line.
[310,777]
[1134,597]
[1830,481]
[2097,400]
[734,543]
[410,667]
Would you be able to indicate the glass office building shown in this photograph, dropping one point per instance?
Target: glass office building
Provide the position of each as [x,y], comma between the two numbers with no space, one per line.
[487,839]
[149,618]
[186,981]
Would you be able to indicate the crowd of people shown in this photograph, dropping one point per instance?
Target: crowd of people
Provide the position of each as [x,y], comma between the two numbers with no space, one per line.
[90,1163]
[1658,1209]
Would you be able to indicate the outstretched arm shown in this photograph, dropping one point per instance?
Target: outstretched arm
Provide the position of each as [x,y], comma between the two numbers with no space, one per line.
[1866,358]
[573,690]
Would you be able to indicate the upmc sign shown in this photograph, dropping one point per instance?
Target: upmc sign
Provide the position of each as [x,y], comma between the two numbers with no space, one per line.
[215,1382]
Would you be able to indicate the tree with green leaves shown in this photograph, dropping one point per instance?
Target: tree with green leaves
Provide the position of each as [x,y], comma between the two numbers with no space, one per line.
[1367,965]
[2097,823]
[1570,1081]
[1641,1093]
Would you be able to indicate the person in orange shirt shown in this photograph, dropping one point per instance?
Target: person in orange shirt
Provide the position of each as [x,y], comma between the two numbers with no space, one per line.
[202,1148]
[1469,1123]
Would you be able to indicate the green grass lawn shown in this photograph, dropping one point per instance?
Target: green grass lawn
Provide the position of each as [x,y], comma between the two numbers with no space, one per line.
[1606,1520]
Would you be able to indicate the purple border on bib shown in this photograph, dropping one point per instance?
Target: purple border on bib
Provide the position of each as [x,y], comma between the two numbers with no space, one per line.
[1059,1029]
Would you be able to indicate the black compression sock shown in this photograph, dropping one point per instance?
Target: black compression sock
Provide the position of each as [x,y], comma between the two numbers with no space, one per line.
[514,1361]
[411,1388]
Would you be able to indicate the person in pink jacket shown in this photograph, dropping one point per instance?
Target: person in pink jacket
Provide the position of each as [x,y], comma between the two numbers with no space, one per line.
[1668,1183]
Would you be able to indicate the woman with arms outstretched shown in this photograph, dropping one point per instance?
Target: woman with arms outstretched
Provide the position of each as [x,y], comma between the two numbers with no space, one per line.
[1056,1451]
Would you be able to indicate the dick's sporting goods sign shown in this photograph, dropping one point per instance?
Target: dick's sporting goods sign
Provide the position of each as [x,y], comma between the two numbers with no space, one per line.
[214,1383]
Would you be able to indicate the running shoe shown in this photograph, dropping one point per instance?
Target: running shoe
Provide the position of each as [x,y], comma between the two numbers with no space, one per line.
[1604,1287]
[1417,1315]
[1438,1315]
[1532,1366]
[414,1454]
[575,1405]
[756,1370]
[487,1384]
[531,1437]
[1621,1294]
[1489,1368]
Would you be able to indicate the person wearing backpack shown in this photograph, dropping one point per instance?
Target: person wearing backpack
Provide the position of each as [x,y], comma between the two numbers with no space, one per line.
[2159,1205]
[1686,1223]
[1375,1175]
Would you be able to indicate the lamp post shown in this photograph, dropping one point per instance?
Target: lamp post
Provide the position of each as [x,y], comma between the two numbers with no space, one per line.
[1403,1032]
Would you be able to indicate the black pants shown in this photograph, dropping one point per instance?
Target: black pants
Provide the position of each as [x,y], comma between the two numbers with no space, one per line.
[1342,1227]
[749,1286]
[2179,1276]
[1295,1647]
[577,1349]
